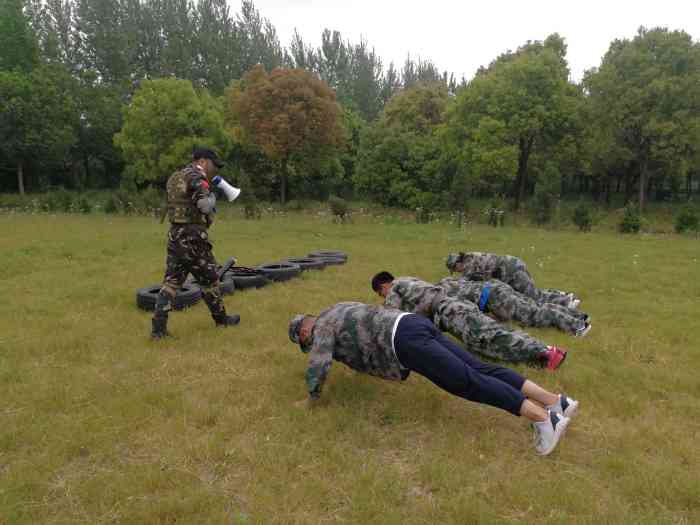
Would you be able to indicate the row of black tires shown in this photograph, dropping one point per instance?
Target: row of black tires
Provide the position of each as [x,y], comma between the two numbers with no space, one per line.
[241,278]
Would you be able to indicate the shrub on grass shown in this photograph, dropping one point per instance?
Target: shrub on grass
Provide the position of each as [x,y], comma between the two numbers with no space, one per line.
[687,220]
[496,212]
[58,200]
[113,204]
[82,204]
[339,208]
[543,207]
[582,217]
[426,206]
[631,220]
[295,205]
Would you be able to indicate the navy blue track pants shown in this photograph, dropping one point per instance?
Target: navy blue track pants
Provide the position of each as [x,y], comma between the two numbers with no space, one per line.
[424,349]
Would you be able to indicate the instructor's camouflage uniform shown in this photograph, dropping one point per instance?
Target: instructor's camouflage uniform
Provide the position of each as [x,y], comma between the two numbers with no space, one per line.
[505,304]
[508,269]
[356,334]
[464,320]
[189,248]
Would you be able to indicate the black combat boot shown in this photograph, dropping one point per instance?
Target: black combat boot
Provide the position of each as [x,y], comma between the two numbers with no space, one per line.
[159,322]
[159,328]
[227,320]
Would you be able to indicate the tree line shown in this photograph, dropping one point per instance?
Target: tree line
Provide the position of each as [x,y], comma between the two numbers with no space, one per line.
[115,93]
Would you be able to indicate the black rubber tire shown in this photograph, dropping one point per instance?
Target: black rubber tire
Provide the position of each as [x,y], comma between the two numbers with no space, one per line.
[188,295]
[279,271]
[329,261]
[245,278]
[308,263]
[329,253]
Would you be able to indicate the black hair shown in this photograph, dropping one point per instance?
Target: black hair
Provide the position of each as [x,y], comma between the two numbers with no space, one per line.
[380,279]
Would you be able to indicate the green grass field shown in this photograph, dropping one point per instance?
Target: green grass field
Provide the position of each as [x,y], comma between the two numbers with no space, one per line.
[100,425]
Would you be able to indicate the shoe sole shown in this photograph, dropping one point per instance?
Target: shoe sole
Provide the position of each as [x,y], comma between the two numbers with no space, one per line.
[558,434]
[584,332]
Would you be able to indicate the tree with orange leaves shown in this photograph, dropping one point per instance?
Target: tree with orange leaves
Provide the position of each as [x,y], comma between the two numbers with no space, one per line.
[289,114]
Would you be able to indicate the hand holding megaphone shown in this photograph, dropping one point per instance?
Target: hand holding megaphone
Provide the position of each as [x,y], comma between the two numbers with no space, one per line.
[231,192]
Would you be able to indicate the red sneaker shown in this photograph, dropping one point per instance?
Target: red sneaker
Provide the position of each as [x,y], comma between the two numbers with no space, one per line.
[555,357]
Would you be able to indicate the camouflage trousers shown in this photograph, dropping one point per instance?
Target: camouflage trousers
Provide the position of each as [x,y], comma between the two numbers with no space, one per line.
[505,304]
[522,281]
[484,336]
[189,251]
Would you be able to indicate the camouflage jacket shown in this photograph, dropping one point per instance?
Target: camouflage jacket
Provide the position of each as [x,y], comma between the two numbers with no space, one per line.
[358,335]
[186,187]
[464,290]
[480,266]
[413,295]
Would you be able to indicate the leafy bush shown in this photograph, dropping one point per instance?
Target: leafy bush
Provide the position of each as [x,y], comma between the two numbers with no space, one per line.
[82,204]
[251,210]
[631,220]
[339,208]
[426,206]
[495,212]
[58,200]
[582,217]
[295,205]
[113,204]
[543,207]
[151,201]
[687,220]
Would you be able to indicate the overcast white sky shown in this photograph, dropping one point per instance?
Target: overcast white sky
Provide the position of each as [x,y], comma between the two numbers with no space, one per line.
[461,36]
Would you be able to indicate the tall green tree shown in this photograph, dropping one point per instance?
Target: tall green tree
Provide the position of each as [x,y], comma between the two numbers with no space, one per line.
[165,120]
[38,117]
[290,115]
[400,155]
[645,98]
[259,41]
[18,45]
[522,95]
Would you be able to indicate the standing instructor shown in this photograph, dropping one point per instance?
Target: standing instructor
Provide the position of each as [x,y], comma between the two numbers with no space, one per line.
[191,207]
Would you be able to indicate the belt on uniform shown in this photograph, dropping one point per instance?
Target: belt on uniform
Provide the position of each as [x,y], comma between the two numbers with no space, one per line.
[485,292]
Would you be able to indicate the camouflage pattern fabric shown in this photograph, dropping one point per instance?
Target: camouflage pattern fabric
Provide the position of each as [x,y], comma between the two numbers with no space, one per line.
[413,295]
[189,251]
[358,335]
[511,270]
[184,188]
[464,320]
[505,304]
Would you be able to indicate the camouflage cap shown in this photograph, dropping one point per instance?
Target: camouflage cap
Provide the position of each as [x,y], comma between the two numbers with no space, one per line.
[206,153]
[294,327]
[452,260]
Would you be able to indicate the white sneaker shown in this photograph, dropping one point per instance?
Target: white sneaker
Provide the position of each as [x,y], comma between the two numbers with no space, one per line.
[549,432]
[581,332]
[564,406]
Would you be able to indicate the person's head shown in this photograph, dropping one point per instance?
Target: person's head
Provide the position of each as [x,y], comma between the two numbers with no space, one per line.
[208,160]
[455,262]
[301,331]
[381,283]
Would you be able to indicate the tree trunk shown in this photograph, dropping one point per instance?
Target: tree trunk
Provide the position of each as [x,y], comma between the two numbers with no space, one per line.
[521,179]
[642,185]
[20,177]
[283,183]
[688,186]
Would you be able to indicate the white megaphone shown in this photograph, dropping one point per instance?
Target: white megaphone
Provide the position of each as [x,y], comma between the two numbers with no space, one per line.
[231,192]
